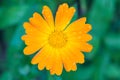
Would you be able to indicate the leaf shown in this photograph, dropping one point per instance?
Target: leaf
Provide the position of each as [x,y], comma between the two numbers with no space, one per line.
[112,41]
[100,62]
[113,72]
[82,73]
[54,77]
[65,1]
[24,70]
[101,15]
[14,49]
[11,15]
[6,76]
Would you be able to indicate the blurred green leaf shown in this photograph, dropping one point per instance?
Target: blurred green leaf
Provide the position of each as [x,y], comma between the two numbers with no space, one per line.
[14,51]
[112,41]
[65,1]
[113,72]
[101,15]
[101,61]
[82,73]
[24,70]
[50,77]
[9,16]
[16,41]
[8,34]
[54,77]
[6,76]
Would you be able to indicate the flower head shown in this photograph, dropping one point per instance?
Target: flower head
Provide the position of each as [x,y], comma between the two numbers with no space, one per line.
[58,42]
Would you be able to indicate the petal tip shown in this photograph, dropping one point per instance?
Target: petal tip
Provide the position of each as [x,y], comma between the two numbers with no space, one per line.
[45,7]
[40,67]
[91,48]
[27,51]
[90,27]
[73,9]
[33,62]
[82,61]
[25,24]
[58,74]
[84,18]
[35,13]
[65,4]
[30,19]
[22,37]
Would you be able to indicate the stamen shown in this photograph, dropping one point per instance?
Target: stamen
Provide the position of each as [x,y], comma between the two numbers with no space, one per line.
[57,39]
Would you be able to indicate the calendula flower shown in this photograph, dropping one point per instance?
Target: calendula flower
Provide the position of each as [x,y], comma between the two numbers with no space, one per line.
[57,42]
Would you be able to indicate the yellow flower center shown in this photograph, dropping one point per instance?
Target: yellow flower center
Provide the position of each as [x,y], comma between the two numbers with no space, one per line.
[57,39]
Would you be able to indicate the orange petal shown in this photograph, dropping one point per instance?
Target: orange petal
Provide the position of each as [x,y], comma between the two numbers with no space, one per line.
[87,28]
[40,55]
[86,47]
[38,40]
[82,46]
[77,25]
[38,22]
[63,16]
[78,56]
[74,67]
[48,17]
[59,13]
[57,67]
[31,49]
[30,29]
[85,37]
[79,37]
[66,60]
[50,59]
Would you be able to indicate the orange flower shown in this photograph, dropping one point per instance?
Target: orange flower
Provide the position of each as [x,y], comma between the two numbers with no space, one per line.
[58,42]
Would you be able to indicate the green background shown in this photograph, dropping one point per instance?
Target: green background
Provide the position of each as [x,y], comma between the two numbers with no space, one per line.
[103,63]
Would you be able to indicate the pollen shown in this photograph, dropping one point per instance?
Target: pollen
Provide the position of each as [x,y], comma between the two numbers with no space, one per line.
[57,39]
